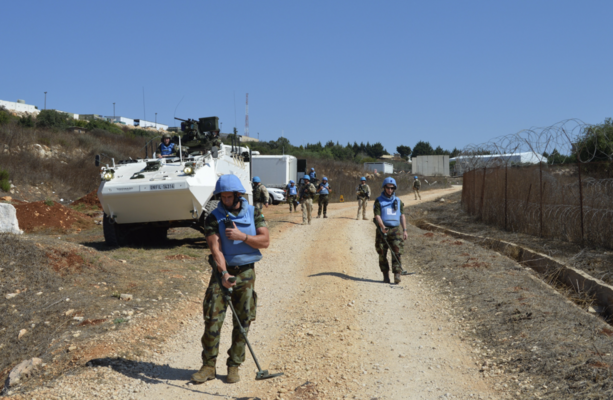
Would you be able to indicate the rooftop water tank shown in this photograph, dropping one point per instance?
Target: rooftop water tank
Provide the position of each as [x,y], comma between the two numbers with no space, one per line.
[21,101]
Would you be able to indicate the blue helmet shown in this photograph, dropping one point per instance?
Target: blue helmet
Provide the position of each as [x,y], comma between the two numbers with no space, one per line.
[256,179]
[312,169]
[362,178]
[308,178]
[229,183]
[415,176]
[324,179]
[389,181]
[291,181]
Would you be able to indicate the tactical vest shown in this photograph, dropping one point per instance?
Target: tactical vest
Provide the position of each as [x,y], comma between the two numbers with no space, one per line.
[237,252]
[166,150]
[388,215]
[293,190]
[306,193]
[363,189]
[324,188]
[313,175]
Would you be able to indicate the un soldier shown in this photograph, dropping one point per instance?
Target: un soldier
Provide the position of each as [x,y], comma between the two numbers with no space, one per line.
[416,187]
[292,196]
[235,231]
[391,229]
[165,148]
[363,192]
[260,194]
[307,190]
[313,174]
[323,190]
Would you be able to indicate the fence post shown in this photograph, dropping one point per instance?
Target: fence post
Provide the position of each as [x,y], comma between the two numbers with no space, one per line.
[482,192]
[474,192]
[506,170]
[541,193]
[580,198]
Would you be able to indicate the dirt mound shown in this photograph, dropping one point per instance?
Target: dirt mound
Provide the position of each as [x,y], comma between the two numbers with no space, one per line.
[90,199]
[39,216]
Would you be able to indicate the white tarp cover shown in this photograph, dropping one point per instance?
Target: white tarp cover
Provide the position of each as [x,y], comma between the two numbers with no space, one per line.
[8,219]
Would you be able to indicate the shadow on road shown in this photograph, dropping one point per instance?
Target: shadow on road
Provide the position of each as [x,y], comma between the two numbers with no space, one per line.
[345,277]
[153,374]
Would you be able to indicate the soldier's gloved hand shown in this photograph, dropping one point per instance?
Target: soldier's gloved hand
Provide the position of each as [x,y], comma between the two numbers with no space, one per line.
[225,282]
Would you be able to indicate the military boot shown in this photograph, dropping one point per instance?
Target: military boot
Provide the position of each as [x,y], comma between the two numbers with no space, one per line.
[206,373]
[396,278]
[386,277]
[325,216]
[233,375]
[319,216]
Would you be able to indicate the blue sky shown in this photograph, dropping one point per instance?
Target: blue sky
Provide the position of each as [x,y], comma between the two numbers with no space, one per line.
[449,72]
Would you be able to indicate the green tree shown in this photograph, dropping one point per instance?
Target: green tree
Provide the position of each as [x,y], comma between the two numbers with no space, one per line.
[52,119]
[404,151]
[596,144]
[422,149]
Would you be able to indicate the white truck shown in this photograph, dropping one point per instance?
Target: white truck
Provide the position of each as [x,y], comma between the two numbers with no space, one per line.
[275,173]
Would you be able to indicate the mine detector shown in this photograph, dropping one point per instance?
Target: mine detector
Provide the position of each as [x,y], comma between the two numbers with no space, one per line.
[142,198]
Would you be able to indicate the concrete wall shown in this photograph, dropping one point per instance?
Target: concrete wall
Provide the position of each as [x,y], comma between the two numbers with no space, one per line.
[431,165]
[14,106]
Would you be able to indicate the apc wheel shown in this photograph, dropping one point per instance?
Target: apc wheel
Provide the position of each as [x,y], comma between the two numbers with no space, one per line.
[114,234]
[157,235]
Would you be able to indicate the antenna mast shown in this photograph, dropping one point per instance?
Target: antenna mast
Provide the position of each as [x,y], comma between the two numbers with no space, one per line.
[247,116]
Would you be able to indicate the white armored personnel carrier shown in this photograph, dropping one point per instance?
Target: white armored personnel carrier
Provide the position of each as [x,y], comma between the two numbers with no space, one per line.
[143,198]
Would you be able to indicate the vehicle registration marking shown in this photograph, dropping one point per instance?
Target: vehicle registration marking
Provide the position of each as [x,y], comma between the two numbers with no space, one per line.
[162,186]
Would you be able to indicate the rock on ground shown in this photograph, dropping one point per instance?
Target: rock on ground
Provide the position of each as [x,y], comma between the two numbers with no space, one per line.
[8,219]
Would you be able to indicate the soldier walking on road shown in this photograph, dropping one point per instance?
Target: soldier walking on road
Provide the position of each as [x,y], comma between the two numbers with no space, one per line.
[307,190]
[416,187]
[323,190]
[260,194]
[292,196]
[363,192]
[391,229]
[313,174]
[235,231]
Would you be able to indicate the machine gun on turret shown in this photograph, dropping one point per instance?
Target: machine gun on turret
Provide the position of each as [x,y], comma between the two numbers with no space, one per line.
[199,135]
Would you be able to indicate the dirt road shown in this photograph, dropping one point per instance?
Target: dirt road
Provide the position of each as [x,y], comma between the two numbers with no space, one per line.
[327,321]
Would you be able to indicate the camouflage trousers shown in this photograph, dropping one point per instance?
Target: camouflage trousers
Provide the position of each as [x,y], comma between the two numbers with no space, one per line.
[394,239]
[244,299]
[362,205]
[416,192]
[307,209]
[259,206]
[322,203]
[293,203]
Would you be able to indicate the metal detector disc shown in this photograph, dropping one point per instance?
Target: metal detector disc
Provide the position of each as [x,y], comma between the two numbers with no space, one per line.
[261,375]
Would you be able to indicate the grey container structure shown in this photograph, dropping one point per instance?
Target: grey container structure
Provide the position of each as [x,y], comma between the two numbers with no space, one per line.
[430,165]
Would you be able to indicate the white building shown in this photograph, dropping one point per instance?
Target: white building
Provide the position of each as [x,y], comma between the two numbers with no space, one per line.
[148,124]
[19,106]
[380,167]
[430,165]
[468,163]
[121,120]
[72,115]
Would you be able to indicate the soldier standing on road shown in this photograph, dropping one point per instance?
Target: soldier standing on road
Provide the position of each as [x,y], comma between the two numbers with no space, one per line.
[363,192]
[235,249]
[416,187]
[292,196]
[391,228]
[323,190]
[165,148]
[307,190]
[260,194]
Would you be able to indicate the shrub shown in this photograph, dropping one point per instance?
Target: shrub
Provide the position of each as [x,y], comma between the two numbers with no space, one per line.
[5,116]
[53,119]
[101,124]
[4,180]
[27,121]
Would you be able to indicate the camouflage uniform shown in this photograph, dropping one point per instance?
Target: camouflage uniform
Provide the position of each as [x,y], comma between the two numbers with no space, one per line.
[260,196]
[244,299]
[293,203]
[394,238]
[416,187]
[306,193]
[322,202]
[363,191]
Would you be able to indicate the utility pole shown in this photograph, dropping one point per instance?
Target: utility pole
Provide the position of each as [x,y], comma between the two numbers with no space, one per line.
[113,112]
[45,100]
[247,116]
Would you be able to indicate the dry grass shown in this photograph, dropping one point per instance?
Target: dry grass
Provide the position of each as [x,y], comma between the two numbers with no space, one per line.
[74,171]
